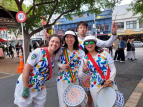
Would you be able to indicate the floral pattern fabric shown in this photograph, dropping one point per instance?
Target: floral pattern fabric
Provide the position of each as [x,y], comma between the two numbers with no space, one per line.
[102,59]
[40,71]
[64,76]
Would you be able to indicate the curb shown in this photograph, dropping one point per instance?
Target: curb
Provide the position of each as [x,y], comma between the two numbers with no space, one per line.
[135,96]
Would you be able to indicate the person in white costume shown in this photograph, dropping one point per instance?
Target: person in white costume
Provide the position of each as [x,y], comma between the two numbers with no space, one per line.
[82,30]
[30,88]
[103,60]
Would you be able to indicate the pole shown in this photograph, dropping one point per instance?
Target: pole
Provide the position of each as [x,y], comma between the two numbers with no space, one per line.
[95,26]
[23,43]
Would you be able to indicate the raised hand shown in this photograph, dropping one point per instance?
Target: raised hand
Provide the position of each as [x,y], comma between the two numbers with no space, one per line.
[85,67]
[114,28]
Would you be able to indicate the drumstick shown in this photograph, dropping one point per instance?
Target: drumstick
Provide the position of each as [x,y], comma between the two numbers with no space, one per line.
[103,85]
[70,61]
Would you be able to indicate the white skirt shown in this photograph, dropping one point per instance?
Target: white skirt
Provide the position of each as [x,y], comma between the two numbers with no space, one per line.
[129,55]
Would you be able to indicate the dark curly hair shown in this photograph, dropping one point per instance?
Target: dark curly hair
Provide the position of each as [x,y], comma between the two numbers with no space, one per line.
[76,44]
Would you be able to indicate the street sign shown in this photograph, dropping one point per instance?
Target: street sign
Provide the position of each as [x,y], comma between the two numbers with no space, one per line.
[21,16]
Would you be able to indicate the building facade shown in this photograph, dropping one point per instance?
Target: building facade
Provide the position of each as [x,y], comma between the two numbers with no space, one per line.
[128,24]
[103,24]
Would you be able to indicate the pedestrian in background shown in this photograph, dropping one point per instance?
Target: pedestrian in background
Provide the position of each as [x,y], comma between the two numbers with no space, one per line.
[30,88]
[17,46]
[122,46]
[116,47]
[129,55]
[11,50]
[110,49]
[133,49]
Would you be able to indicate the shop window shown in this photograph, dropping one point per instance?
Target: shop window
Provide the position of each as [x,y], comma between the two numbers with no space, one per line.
[131,24]
[120,25]
[102,27]
[106,26]
[98,27]
[73,29]
[89,28]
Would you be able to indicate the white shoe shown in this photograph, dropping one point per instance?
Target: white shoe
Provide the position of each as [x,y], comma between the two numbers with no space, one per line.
[116,60]
[122,61]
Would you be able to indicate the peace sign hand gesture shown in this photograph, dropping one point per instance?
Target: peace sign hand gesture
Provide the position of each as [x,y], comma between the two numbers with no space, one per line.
[85,67]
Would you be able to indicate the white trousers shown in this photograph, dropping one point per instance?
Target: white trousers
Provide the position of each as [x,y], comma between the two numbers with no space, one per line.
[94,95]
[61,87]
[37,99]
[133,52]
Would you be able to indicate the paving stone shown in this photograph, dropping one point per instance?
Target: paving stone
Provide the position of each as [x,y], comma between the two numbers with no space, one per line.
[135,101]
[138,89]
[130,105]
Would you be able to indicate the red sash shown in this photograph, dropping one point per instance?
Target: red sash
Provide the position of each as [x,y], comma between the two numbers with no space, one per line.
[50,65]
[98,68]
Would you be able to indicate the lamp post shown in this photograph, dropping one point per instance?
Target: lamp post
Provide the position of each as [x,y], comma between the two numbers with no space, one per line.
[95,26]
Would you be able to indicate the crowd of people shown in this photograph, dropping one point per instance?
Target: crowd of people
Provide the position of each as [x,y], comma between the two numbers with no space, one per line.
[120,45]
[30,87]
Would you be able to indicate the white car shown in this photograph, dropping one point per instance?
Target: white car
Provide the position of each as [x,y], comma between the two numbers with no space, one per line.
[138,43]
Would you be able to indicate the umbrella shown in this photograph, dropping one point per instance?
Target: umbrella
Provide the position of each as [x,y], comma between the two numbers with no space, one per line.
[1,40]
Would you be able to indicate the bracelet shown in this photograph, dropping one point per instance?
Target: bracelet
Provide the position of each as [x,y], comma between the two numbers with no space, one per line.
[114,34]
[25,92]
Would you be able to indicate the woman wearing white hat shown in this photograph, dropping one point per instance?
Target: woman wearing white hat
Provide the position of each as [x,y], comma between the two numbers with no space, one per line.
[102,59]
[68,73]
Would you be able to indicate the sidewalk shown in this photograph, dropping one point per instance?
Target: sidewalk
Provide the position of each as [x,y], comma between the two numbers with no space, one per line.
[9,65]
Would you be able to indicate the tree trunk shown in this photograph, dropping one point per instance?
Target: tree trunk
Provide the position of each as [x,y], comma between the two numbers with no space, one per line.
[26,46]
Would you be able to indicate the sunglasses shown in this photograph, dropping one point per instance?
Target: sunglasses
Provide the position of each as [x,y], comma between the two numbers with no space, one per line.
[91,42]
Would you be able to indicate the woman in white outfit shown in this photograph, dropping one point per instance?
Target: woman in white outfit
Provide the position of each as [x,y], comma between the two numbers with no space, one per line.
[30,88]
[129,52]
[68,73]
[103,60]
[133,49]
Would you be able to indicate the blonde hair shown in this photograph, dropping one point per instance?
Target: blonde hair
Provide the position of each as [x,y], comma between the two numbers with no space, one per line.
[132,40]
[128,40]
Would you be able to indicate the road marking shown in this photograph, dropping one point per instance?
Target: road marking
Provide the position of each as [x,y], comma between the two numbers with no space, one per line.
[9,75]
[135,96]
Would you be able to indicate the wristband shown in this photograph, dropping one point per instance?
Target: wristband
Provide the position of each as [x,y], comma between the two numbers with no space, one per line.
[25,92]
[114,33]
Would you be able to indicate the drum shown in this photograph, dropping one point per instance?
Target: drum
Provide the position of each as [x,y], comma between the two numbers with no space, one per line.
[85,82]
[108,97]
[74,95]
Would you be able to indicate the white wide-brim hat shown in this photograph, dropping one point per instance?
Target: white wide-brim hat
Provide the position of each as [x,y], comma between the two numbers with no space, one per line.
[89,38]
[70,32]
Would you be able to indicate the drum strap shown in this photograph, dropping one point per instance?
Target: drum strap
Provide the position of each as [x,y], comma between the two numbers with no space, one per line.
[98,68]
[73,75]
[50,65]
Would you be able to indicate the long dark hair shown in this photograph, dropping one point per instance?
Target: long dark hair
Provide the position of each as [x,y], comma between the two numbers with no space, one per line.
[97,49]
[76,45]
[54,35]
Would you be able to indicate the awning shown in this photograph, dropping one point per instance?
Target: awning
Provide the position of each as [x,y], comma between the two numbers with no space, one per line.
[1,40]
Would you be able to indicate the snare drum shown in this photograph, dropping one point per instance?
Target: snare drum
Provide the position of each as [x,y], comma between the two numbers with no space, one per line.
[74,95]
[108,97]
[85,82]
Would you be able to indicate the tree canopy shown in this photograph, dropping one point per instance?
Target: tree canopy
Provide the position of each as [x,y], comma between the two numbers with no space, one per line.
[137,7]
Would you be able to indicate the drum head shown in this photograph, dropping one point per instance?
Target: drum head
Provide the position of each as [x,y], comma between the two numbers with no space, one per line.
[74,95]
[106,97]
[85,82]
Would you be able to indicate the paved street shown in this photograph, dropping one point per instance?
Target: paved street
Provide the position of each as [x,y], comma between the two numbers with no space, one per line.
[128,76]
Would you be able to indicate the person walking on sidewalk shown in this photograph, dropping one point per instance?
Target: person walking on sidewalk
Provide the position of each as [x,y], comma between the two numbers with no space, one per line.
[11,50]
[129,55]
[116,47]
[133,49]
[30,88]
[17,46]
[122,46]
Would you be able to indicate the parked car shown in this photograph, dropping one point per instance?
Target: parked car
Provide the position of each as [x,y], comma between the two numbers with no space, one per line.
[138,43]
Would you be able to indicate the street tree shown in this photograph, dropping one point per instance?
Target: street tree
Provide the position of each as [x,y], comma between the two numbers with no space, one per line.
[136,7]
[47,8]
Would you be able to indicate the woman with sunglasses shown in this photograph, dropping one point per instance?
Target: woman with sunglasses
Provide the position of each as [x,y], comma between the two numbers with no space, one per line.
[68,73]
[30,88]
[104,60]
